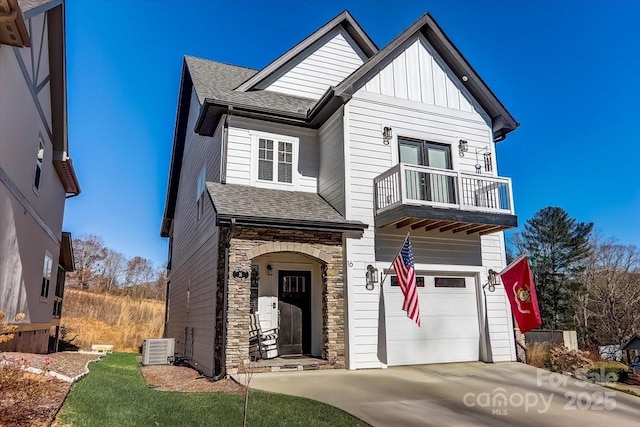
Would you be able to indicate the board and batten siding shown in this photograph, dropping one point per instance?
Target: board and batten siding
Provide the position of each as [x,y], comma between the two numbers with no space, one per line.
[325,63]
[418,96]
[242,154]
[331,174]
[193,276]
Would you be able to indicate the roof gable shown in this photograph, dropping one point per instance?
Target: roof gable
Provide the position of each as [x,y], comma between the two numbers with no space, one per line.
[416,72]
[343,21]
[325,63]
[503,122]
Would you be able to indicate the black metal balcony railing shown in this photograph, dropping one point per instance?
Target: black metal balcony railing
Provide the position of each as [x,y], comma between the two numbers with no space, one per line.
[406,184]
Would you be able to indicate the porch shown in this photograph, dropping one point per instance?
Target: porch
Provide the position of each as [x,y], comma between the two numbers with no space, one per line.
[441,199]
[292,288]
[290,363]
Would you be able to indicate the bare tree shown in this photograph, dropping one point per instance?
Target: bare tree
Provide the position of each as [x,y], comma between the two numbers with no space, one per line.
[609,308]
[89,252]
[112,271]
[140,271]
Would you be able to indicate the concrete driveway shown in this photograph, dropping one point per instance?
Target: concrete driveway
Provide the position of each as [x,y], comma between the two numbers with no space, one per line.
[460,394]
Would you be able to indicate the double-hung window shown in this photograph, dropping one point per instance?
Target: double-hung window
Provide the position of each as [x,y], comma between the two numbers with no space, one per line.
[275,160]
[46,275]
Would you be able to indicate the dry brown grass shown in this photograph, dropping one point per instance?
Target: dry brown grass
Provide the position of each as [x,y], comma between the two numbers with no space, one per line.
[538,355]
[106,319]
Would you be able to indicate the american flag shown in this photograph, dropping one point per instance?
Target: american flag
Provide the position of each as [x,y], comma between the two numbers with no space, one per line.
[406,274]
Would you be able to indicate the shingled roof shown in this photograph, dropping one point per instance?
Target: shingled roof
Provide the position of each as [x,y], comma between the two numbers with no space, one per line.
[215,82]
[276,208]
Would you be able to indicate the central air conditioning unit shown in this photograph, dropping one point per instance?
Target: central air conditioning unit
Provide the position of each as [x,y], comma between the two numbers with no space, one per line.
[158,351]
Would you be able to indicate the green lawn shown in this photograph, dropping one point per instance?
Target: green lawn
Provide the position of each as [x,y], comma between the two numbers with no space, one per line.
[115,394]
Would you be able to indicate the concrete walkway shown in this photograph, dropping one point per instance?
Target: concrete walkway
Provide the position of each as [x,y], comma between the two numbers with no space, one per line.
[460,394]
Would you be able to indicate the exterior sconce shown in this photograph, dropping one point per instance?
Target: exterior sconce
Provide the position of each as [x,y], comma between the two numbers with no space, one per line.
[372,277]
[387,134]
[492,280]
[269,270]
[240,274]
[463,147]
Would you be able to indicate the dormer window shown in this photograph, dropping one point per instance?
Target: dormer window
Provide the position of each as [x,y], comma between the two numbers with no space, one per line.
[276,157]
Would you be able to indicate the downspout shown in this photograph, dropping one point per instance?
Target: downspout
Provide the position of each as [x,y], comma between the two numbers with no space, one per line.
[227,244]
[224,148]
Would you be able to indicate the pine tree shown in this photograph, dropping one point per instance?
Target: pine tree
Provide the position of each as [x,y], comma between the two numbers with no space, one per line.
[557,246]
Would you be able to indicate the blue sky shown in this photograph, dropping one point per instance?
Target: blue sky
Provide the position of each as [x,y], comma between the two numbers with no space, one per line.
[567,70]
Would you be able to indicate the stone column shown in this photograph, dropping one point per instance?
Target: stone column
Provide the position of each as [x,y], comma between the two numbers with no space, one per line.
[238,306]
[333,309]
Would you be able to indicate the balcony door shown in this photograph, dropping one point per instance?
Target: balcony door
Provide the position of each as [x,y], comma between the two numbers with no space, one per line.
[427,185]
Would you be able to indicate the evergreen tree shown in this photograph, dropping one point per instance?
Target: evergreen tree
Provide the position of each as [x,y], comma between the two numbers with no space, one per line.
[557,246]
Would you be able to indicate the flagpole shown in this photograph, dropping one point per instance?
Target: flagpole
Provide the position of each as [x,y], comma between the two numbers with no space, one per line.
[514,262]
[394,258]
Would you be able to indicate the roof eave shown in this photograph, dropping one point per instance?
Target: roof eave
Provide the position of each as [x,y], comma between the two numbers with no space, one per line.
[67,174]
[503,121]
[13,22]
[66,250]
[177,150]
[293,224]
[213,109]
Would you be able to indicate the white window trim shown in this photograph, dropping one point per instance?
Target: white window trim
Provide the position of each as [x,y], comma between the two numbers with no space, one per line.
[200,191]
[255,137]
[47,270]
[39,165]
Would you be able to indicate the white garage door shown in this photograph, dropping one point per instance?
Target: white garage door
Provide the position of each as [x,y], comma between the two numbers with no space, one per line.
[449,317]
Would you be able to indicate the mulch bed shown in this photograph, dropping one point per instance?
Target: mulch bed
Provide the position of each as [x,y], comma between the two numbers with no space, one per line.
[34,400]
[184,379]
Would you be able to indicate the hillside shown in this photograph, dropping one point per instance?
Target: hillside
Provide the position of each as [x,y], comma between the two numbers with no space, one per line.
[98,318]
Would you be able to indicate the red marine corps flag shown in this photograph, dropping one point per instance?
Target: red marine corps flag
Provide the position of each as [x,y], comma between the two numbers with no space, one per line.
[518,283]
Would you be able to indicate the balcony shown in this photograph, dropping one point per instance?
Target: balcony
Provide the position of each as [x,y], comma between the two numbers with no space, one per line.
[445,200]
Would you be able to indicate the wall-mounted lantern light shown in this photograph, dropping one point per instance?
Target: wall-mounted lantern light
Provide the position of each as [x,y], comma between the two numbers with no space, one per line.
[492,280]
[372,277]
[387,134]
[463,147]
[269,269]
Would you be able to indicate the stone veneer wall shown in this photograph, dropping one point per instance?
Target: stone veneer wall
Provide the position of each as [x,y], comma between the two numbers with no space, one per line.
[323,247]
[521,353]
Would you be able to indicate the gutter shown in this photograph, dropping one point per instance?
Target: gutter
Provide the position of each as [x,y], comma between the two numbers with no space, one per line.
[246,110]
[292,224]
[227,244]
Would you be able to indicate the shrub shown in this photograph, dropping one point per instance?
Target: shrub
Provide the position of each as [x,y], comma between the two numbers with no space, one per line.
[7,331]
[562,359]
[18,388]
[608,372]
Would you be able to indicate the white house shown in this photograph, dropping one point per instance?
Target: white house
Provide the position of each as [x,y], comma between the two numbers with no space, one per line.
[36,172]
[292,188]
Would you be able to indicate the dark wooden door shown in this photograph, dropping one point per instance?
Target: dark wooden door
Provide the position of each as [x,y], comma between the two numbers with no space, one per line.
[294,295]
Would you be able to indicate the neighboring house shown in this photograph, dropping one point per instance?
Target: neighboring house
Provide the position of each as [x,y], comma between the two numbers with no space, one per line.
[36,173]
[293,186]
